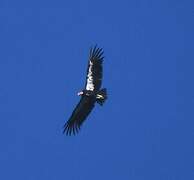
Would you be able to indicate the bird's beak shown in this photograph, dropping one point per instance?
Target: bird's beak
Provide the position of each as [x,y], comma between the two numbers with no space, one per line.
[80,93]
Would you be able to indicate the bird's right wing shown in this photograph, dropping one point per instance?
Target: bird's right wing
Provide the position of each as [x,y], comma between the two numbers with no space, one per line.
[80,113]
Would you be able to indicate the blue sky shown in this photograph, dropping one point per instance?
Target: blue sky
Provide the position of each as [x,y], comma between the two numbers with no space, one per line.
[145,130]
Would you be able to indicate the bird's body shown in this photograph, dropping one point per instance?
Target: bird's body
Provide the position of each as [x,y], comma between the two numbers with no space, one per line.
[90,95]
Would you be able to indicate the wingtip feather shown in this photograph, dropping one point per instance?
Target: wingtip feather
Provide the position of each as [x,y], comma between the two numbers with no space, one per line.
[96,52]
[70,129]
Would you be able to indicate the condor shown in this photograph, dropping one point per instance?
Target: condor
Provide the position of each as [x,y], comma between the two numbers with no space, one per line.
[90,95]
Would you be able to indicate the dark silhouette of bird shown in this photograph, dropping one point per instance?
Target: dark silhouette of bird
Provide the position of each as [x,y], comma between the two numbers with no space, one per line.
[91,94]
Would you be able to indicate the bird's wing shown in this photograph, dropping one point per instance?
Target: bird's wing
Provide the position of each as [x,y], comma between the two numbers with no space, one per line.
[94,70]
[80,113]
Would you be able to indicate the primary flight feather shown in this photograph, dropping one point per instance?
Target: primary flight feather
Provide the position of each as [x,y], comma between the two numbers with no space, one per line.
[91,94]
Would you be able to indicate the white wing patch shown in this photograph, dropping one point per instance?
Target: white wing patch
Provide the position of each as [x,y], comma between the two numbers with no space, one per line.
[90,85]
[99,96]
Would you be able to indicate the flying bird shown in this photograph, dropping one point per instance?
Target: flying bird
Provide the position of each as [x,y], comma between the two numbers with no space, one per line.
[91,94]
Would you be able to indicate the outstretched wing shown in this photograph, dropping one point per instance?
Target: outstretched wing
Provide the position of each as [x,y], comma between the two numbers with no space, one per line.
[94,71]
[79,114]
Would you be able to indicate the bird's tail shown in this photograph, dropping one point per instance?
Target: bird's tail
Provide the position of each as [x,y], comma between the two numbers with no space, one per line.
[101,96]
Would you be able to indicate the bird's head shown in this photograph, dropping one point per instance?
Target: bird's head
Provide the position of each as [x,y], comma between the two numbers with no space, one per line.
[80,93]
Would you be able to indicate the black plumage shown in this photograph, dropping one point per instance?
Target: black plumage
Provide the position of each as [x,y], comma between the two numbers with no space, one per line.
[91,94]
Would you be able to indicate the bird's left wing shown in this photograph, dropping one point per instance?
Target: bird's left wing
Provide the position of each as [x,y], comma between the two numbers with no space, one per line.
[94,70]
[80,113]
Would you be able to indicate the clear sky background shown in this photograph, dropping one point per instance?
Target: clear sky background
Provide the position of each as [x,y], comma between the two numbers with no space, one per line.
[145,131]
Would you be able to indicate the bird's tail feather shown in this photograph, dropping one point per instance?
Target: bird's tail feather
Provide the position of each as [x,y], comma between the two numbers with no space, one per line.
[101,96]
